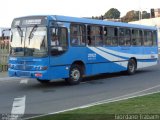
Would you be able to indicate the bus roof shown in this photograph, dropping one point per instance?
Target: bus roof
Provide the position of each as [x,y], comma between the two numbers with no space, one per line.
[100,22]
[89,21]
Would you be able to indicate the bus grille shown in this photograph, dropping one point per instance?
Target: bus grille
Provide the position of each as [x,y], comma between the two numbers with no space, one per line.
[24,67]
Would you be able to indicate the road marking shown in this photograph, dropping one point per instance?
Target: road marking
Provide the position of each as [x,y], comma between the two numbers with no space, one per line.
[18,108]
[3,79]
[24,81]
[115,99]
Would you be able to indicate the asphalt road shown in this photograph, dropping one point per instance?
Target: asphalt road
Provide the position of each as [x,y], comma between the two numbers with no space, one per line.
[29,97]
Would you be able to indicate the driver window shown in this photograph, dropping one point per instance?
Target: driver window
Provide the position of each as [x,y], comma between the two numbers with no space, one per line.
[54,37]
[63,37]
[58,38]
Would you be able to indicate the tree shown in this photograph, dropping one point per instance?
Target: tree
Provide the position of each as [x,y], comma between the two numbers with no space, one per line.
[131,16]
[135,15]
[113,13]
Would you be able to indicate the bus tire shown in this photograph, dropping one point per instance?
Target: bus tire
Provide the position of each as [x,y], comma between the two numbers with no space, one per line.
[43,81]
[75,75]
[131,67]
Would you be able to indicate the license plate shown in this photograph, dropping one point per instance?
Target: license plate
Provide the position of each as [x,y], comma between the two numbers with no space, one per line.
[24,74]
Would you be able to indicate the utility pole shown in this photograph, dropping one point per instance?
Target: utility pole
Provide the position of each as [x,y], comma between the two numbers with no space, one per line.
[140,11]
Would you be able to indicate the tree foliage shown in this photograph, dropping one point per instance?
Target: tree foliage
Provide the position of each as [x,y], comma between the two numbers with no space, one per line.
[135,15]
[132,15]
[113,13]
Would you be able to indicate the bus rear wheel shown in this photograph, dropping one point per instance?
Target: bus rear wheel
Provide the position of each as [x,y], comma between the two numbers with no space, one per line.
[131,68]
[75,75]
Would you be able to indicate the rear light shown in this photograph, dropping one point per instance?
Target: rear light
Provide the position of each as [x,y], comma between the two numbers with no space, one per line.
[38,74]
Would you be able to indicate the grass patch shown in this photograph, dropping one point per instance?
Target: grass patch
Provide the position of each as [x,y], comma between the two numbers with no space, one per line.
[149,104]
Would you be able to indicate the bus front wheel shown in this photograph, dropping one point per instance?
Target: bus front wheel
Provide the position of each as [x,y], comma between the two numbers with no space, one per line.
[75,75]
[131,68]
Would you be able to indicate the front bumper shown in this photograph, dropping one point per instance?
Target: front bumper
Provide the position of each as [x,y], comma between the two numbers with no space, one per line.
[43,75]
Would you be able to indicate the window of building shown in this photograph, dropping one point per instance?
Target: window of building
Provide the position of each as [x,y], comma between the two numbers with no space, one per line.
[78,35]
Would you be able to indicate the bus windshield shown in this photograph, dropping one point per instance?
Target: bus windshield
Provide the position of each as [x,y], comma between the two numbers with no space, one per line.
[29,41]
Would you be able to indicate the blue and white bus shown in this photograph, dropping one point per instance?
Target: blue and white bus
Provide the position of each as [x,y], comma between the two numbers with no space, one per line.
[85,47]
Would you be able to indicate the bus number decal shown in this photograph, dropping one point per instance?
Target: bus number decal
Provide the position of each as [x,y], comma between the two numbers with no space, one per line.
[92,56]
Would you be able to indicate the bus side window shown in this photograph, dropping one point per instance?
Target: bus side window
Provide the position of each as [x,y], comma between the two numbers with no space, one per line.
[110,36]
[95,37]
[115,37]
[107,36]
[63,38]
[128,37]
[124,36]
[136,37]
[54,37]
[148,38]
[88,35]
[154,38]
[140,37]
[121,36]
[78,33]
[92,36]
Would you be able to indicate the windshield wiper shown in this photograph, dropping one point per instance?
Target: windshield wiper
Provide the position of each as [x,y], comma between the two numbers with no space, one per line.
[20,32]
[32,31]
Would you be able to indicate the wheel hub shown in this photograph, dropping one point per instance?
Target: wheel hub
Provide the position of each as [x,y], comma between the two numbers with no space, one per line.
[75,74]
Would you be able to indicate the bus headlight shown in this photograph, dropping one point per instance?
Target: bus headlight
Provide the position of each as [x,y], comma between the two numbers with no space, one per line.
[11,66]
[37,68]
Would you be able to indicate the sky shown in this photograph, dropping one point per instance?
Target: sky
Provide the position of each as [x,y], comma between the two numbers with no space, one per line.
[11,9]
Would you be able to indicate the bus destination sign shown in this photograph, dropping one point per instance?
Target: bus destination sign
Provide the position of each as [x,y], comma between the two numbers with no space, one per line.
[27,21]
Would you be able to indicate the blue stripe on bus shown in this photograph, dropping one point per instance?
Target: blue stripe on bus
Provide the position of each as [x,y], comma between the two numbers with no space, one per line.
[147,60]
[127,58]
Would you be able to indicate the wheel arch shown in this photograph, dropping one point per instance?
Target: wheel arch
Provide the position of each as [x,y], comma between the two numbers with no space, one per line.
[81,64]
[134,60]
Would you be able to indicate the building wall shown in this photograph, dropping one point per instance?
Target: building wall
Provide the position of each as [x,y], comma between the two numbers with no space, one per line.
[4,31]
[157,12]
[4,48]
